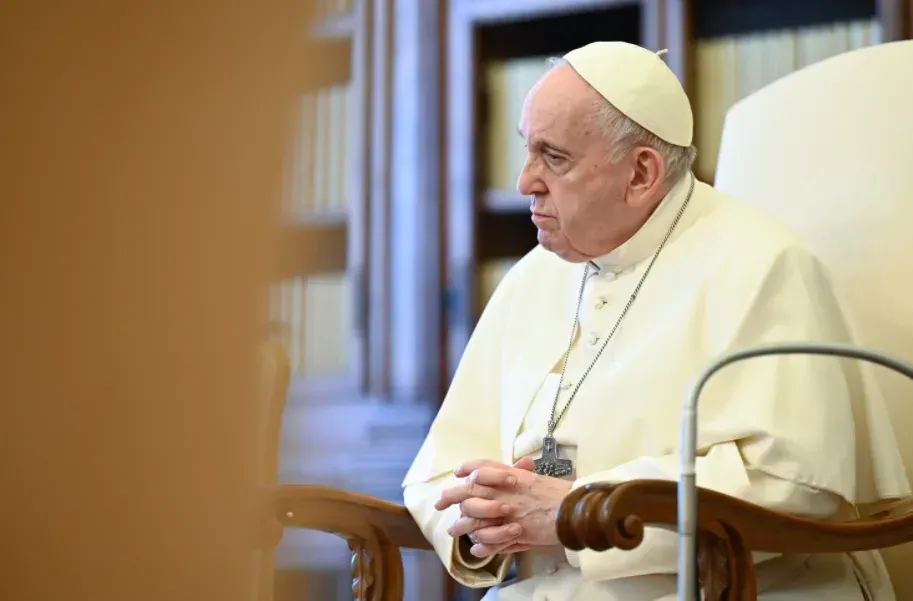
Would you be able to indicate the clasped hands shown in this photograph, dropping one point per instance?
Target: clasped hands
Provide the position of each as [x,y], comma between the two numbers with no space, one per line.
[505,509]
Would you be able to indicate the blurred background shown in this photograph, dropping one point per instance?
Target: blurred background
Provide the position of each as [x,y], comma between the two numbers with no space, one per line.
[402,215]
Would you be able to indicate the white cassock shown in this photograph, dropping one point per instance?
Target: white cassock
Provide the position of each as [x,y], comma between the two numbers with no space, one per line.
[807,435]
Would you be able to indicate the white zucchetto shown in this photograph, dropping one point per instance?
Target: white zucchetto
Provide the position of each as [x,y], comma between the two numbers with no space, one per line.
[638,83]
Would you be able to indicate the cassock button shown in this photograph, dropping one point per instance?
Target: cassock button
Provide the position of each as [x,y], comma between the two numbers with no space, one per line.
[551,569]
[601,303]
[566,384]
[608,275]
[593,339]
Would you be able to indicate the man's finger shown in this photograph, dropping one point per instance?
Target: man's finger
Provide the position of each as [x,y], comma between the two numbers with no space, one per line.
[497,535]
[465,525]
[483,550]
[525,463]
[471,466]
[489,475]
[461,492]
[484,508]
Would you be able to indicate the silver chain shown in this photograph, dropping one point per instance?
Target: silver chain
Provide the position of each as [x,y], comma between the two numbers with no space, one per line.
[552,421]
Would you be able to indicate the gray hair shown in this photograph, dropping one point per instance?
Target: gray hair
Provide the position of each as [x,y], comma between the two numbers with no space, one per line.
[626,135]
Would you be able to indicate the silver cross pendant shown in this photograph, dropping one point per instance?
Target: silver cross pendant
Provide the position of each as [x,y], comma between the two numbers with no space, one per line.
[549,464]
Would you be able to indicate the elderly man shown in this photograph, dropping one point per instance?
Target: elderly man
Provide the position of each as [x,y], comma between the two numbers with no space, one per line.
[579,363]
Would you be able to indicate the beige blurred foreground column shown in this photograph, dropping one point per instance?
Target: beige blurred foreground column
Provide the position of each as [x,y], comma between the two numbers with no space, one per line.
[141,147]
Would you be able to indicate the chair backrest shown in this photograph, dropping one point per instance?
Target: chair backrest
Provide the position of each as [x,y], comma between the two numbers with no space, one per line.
[829,151]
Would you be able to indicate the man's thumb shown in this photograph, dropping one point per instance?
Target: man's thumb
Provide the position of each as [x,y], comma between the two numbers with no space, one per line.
[525,464]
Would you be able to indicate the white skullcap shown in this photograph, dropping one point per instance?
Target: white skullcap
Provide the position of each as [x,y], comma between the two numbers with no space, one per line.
[639,84]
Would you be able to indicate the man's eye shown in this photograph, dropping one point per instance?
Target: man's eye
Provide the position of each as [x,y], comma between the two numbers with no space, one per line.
[554,158]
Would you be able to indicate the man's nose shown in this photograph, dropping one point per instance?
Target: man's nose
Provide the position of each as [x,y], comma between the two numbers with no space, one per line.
[529,182]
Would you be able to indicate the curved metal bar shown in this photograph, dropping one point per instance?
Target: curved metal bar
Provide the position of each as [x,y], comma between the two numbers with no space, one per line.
[688,587]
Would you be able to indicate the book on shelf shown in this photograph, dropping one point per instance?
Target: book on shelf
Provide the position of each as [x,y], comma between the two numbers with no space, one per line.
[507,83]
[321,158]
[311,314]
[312,317]
[728,69]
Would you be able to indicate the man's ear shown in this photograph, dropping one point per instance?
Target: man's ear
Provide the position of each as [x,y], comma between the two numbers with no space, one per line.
[647,176]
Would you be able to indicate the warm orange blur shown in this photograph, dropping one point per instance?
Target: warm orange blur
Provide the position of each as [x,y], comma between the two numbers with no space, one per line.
[142,156]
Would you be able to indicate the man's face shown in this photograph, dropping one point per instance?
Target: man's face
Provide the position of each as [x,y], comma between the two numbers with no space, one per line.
[579,199]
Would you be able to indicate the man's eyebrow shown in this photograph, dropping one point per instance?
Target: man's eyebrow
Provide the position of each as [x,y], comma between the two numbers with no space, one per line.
[540,143]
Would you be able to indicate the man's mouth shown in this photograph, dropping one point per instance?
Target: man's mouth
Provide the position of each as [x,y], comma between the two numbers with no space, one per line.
[541,218]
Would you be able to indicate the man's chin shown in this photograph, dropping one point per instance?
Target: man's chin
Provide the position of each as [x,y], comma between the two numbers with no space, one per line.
[559,245]
[549,241]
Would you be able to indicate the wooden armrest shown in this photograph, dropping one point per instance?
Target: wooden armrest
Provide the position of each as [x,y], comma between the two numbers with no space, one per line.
[375,530]
[603,516]
[347,514]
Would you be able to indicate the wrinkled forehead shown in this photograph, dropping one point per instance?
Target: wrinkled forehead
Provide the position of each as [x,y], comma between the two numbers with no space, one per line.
[560,104]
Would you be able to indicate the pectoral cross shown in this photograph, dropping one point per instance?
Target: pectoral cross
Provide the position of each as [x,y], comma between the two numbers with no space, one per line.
[549,464]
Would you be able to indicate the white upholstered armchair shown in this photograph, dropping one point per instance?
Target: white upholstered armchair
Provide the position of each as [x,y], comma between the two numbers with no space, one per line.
[829,151]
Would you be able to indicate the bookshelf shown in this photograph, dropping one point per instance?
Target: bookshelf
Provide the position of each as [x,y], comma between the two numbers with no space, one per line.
[722,50]
[315,304]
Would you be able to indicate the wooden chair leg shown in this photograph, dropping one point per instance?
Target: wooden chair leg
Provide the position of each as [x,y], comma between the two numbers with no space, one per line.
[726,568]
[377,568]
